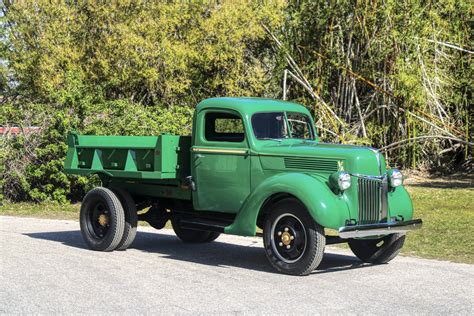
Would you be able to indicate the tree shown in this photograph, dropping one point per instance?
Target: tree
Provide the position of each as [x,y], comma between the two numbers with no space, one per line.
[384,73]
[128,68]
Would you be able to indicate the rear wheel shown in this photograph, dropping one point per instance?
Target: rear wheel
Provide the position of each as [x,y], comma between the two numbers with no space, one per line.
[156,216]
[380,250]
[190,235]
[131,218]
[102,219]
[294,242]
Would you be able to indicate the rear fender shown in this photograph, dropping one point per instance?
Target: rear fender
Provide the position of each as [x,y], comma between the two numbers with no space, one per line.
[326,208]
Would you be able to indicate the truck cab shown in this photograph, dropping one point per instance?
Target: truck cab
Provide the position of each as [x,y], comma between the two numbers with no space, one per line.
[251,167]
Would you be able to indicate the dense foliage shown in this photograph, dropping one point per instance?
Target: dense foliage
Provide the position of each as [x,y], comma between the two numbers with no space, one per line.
[381,74]
[389,72]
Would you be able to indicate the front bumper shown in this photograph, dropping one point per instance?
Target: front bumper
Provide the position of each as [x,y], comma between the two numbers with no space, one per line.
[378,229]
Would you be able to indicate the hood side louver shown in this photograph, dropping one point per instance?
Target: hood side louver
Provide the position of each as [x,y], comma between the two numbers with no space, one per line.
[324,165]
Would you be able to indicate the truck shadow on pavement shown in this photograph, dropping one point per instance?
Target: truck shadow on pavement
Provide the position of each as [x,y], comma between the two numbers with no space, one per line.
[217,253]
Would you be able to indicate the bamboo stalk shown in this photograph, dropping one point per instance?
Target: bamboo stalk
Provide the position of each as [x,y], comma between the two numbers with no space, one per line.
[301,78]
[424,138]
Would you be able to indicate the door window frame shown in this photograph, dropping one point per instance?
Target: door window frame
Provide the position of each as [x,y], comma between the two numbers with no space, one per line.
[201,132]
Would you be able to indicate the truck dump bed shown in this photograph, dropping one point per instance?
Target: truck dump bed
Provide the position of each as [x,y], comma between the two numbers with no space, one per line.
[131,157]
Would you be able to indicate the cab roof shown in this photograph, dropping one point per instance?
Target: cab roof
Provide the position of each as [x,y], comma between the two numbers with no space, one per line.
[246,105]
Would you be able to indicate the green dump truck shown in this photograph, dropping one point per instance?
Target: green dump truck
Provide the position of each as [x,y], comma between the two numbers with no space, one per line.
[251,165]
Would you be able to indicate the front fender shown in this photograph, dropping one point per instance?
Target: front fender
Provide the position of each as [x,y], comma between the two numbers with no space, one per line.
[400,204]
[326,208]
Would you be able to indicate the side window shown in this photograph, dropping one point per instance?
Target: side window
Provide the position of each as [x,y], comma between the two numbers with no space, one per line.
[224,127]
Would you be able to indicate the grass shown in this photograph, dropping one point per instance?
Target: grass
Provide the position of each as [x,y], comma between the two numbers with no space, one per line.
[447,213]
[42,210]
[447,216]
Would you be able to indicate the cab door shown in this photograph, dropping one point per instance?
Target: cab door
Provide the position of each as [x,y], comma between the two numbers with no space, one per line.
[220,161]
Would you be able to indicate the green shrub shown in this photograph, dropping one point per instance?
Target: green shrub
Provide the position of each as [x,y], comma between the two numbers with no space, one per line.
[32,163]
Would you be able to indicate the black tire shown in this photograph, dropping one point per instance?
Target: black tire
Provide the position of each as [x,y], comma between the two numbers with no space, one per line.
[102,219]
[156,216]
[294,243]
[131,218]
[380,250]
[190,235]
[212,236]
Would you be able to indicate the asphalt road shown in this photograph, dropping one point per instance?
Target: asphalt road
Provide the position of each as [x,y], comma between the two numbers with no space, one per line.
[45,268]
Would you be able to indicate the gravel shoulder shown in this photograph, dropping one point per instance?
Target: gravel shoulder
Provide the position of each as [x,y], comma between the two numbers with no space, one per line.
[45,268]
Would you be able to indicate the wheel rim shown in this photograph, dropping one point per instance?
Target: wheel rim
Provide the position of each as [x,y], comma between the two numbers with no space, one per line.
[98,220]
[288,238]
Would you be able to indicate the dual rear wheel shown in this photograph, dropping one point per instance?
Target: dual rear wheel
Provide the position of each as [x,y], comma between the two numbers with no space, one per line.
[108,219]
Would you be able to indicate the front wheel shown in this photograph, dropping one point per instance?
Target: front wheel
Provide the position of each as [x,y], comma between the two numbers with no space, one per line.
[380,250]
[294,242]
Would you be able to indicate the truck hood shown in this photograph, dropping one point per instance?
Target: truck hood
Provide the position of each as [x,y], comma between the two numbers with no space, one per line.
[321,157]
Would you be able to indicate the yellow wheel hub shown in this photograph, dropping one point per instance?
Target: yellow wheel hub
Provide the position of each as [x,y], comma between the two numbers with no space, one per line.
[286,238]
[103,219]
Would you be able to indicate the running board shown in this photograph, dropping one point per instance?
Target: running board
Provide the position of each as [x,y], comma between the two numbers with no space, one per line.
[203,224]
[215,226]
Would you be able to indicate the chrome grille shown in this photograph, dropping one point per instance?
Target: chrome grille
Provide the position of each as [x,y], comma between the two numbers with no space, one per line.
[372,200]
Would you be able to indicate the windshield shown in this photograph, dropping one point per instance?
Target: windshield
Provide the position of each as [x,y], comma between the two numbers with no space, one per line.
[278,125]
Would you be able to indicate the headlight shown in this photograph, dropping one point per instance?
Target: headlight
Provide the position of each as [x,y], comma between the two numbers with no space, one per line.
[395,177]
[340,180]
